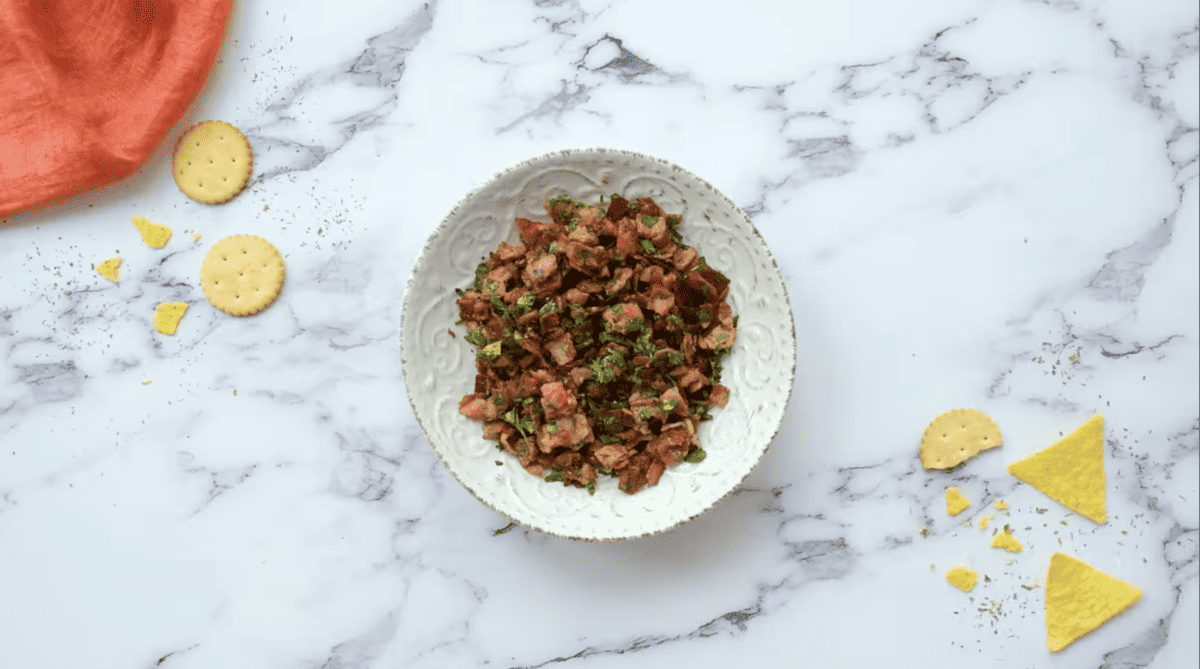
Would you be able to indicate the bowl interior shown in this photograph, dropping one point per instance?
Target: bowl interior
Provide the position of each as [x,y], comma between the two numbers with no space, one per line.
[440,369]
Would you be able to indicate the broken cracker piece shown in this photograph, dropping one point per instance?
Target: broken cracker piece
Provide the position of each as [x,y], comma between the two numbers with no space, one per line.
[957,436]
[1071,471]
[108,268]
[962,578]
[1007,541]
[1001,505]
[155,235]
[984,522]
[955,502]
[1080,598]
[168,315]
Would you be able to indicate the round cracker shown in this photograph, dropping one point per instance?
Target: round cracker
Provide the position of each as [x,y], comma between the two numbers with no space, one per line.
[957,436]
[242,275]
[212,162]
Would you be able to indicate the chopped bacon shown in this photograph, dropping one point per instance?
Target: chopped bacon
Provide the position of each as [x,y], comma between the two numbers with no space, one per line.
[598,335]
[619,316]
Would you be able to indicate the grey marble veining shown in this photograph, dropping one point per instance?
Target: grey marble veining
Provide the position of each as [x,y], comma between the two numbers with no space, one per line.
[989,204]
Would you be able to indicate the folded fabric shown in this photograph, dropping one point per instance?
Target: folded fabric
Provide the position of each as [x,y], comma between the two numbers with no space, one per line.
[89,88]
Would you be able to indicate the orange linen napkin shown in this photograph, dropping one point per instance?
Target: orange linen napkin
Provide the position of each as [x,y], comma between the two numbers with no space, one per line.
[89,88]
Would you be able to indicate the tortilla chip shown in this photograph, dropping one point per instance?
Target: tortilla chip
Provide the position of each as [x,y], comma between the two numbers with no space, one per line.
[1071,471]
[1080,598]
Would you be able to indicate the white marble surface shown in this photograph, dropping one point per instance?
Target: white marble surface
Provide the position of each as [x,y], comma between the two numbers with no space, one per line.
[989,203]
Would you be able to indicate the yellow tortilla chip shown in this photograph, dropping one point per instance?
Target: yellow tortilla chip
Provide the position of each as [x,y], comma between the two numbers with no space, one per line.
[168,315]
[956,436]
[155,235]
[1080,598]
[984,522]
[108,268]
[955,502]
[1071,471]
[1001,505]
[1007,541]
[962,578]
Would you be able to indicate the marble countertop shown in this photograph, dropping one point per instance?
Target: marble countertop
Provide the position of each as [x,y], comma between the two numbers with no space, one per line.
[987,204]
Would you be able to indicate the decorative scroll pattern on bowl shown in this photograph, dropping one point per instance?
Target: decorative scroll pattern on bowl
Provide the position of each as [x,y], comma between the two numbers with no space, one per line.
[439,370]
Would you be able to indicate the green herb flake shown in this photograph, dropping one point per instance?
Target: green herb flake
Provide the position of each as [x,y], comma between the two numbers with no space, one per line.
[649,247]
[480,271]
[565,198]
[490,352]
[704,315]
[476,337]
[554,475]
[649,221]
[591,487]
[697,454]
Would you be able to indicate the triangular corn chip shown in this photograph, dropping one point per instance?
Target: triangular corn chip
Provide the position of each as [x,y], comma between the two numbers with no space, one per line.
[1071,471]
[1080,598]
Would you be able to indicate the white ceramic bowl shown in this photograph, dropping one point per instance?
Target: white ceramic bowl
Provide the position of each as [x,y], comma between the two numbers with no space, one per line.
[440,369]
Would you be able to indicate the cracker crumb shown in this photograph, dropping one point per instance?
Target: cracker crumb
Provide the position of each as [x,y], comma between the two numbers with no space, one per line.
[956,503]
[962,578]
[168,315]
[147,382]
[155,235]
[109,268]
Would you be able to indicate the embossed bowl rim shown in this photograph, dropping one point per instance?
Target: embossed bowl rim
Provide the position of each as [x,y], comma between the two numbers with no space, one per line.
[459,210]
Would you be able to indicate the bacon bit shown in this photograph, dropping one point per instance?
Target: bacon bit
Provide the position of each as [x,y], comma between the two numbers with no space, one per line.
[719,396]
[600,329]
